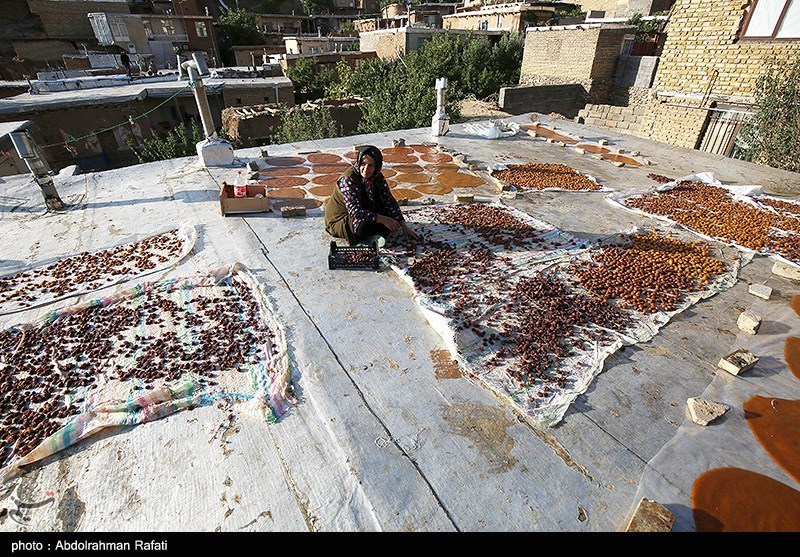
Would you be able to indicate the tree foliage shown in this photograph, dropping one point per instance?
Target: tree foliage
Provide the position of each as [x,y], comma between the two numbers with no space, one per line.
[310,78]
[305,125]
[646,28]
[363,80]
[180,142]
[239,27]
[772,135]
[402,94]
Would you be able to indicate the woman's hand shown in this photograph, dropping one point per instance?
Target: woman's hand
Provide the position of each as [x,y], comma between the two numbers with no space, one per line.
[408,232]
[388,222]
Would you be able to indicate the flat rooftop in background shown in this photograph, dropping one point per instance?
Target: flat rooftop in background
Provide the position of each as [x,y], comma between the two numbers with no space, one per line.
[138,89]
[380,440]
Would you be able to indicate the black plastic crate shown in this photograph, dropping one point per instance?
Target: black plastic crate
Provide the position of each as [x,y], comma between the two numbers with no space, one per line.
[353,257]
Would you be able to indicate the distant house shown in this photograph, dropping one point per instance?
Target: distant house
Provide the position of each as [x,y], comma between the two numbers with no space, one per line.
[623,8]
[159,36]
[82,111]
[500,17]
[398,15]
[327,60]
[276,26]
[256,54]
[317,44]
[394,43]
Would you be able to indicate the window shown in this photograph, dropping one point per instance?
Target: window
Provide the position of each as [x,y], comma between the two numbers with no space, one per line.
[148,28]
[497,23]
[118,29]
[169,26]
[773,19]
[201,28]
[484,25]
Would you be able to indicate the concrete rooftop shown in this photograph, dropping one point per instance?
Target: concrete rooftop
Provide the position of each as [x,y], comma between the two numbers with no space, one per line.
[379,441]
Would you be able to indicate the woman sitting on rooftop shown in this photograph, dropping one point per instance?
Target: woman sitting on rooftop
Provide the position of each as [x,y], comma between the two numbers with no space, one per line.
[361,208]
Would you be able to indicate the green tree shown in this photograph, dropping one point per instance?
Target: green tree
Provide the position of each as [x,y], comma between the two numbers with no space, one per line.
[363,80]
[646,28]
[180,142]
[405,96]
[239,27]
[310,78]
[772,134]
[304,125]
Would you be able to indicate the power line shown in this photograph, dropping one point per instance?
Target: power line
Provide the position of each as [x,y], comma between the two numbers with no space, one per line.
[130,120]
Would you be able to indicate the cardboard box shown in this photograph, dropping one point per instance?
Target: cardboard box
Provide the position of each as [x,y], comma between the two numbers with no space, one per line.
[230,204]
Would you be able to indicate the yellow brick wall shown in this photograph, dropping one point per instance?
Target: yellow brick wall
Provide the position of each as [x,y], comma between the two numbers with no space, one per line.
[673,124]
[572,54]
[564,54]
[701,38]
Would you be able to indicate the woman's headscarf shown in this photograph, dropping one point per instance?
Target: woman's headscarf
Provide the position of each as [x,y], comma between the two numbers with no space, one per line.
[373,152]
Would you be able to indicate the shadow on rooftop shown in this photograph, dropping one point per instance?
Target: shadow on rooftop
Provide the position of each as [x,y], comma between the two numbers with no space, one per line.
[188,196]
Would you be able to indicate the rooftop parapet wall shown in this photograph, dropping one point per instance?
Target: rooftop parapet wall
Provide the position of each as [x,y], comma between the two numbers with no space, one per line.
[702,38]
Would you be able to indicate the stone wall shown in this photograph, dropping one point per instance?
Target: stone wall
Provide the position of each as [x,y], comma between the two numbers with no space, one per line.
[702,37]
[247,96]
[511,21]
[675,124]
[585,55]
[578,52]
[252,126]
[630,96]
[627,119]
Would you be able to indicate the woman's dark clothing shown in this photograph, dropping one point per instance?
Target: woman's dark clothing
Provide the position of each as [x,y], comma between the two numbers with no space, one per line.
[351,211]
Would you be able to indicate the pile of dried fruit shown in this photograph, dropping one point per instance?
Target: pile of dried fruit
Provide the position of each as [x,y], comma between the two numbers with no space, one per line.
[88,271]
[155,337]
[544,176]
[659,178]
[356,257]
[530,325]
[649,273]
[712,211]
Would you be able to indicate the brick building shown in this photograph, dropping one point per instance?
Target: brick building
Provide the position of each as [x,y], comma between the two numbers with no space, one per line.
[713,55]
[578,54]
[624,8]
[158,36]
[500,17]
